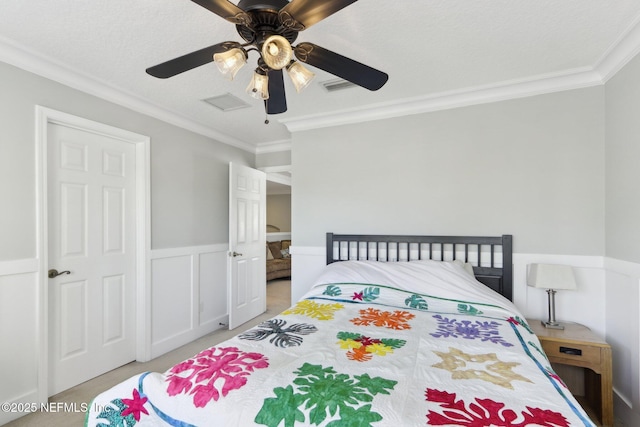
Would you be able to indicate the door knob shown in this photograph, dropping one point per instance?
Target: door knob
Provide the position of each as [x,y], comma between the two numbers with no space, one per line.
[54,273]
[235,254]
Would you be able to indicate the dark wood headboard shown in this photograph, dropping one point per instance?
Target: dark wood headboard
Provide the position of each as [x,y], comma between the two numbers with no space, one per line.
[491,257]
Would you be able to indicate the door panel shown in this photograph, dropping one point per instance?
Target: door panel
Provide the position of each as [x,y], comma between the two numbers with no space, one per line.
[73,326]
[114,215]
[73,220]
[113,319]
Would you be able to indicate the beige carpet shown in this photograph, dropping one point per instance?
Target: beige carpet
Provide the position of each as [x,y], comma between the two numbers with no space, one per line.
[278,300]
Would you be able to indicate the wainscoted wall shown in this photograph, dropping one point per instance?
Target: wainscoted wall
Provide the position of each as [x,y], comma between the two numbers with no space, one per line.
[19,331]
[188,300]
[623,333]
[188,295]
[607,301]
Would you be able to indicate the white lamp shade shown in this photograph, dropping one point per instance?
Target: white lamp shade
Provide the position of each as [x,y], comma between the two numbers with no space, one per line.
[300,76]
[551,276]
[259,86]
[230,61]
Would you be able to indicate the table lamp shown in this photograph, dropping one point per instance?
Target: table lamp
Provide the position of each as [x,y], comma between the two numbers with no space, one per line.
[551,277]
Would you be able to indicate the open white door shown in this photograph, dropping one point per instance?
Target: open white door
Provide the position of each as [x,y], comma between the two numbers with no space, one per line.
[246,273]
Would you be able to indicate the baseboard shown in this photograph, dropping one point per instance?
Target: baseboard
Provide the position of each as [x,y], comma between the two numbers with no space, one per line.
[171,343]
[624,415]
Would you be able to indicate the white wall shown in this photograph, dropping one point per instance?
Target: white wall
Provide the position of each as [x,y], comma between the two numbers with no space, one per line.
[18,334]
[279,155]
[531,167]
[622,325]
[623,235]
[190,189]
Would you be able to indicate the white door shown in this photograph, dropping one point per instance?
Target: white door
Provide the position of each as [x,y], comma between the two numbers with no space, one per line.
[247,244]
[91,235]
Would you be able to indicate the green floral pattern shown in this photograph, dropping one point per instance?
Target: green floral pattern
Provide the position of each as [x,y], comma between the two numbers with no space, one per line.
[325,393]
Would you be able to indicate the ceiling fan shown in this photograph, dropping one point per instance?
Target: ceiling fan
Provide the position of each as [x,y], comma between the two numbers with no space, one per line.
[269,27]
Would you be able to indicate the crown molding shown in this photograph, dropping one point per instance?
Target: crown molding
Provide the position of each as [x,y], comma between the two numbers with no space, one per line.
[276,169]
[538,85]
[273,146]
[625,48]
[23,58]
[280,179]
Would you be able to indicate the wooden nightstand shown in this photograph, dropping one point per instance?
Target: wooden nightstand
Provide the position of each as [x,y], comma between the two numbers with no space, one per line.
[578,346]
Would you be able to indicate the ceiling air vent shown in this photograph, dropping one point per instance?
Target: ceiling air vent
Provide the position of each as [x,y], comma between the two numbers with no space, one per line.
[227,102]
[337,84]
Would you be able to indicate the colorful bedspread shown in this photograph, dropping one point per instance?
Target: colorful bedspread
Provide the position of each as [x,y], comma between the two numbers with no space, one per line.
[391,351]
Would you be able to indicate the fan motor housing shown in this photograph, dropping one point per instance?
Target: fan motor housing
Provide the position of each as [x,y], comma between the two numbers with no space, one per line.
[264,21]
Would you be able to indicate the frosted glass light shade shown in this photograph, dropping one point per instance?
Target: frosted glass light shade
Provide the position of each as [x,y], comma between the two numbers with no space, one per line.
[259,86]
[551,276]
[300,76]
[230,61]
[276,52]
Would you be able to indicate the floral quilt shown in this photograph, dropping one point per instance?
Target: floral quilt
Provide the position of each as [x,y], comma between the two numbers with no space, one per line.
[356,354]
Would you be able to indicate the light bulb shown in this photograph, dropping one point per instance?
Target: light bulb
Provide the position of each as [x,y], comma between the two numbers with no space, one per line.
[276,52]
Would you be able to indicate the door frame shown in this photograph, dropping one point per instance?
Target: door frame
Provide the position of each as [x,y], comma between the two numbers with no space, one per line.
[45,116]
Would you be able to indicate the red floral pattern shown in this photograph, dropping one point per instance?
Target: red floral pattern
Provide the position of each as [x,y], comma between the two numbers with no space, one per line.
[227,366]
[487,412]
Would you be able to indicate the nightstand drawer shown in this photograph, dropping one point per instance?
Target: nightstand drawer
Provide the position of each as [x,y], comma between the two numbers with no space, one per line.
[578,352]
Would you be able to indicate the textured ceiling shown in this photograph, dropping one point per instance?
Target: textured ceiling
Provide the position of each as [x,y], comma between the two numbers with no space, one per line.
[429,48]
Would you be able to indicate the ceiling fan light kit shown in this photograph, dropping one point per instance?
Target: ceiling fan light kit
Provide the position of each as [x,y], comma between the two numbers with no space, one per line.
[269,27]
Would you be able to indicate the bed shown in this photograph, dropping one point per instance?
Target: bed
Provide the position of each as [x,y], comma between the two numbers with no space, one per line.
[396,331]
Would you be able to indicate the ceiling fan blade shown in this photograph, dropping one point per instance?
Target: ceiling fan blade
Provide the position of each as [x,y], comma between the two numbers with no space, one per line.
[301,14]
[341,66]
[227,10]
[189,61]
[277,102]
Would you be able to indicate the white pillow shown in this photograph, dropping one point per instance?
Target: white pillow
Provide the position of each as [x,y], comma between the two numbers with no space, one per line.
[468,267]
[446,279]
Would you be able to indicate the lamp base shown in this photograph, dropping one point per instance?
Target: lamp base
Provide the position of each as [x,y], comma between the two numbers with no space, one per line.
[550,325]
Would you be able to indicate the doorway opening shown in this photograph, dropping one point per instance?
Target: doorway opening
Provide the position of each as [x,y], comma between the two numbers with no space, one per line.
[278,228]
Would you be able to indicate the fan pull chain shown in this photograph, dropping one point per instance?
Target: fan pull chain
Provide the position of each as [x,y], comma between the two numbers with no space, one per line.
[266,111]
